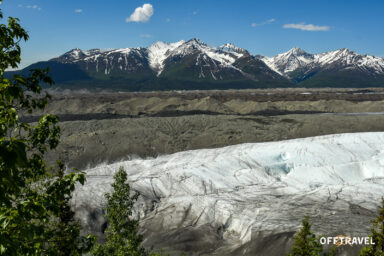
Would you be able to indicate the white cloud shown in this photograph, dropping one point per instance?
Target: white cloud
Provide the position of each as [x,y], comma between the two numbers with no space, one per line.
[307,27]
[35,7]
[263,23]
[141,14]
[79,10]
[146,35]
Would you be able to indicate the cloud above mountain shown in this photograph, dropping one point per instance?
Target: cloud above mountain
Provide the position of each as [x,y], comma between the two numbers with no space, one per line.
[263,23]
[306,27]
[141,14]
[33,7]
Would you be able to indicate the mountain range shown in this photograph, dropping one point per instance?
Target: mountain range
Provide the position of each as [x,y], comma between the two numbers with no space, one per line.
[195,65]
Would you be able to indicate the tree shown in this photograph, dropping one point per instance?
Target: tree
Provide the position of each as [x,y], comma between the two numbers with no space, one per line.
[34,199]
[122,233]
[65,238]
[305,242]
[377,235]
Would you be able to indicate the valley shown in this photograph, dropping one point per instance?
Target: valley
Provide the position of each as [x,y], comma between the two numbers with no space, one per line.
[243,167]
[106,127]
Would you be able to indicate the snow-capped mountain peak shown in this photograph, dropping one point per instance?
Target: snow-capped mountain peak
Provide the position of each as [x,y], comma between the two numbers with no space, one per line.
[73,55]
[297,51]
[158,52]
[343,55]
[297,59]
[348,59]
[93,51]
[189,47]
[159,45]
[289,61]
[196,41]
[231,48]
[228,61]
[195,45]
[346,50]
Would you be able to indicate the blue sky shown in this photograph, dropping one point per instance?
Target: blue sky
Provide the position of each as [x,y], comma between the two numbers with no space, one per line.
[262,27]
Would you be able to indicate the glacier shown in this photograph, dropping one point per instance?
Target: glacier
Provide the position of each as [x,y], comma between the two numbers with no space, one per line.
[235,197]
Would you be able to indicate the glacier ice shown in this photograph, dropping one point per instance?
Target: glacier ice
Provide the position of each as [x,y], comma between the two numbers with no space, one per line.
[254,188]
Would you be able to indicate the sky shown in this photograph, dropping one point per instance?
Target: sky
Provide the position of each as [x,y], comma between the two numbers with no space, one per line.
[261,27]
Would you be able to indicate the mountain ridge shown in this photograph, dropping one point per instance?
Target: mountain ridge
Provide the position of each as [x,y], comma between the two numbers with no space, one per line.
[193,64]
[296,64]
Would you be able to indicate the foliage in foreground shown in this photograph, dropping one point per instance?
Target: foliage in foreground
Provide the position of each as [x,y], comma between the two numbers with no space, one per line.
[35,215]
[35,212]
[377,235]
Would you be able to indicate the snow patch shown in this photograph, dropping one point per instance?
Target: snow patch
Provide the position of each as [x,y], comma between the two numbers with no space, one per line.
[158,52]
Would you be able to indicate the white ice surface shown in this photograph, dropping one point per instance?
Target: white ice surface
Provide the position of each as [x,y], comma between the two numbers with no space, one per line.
[253,187]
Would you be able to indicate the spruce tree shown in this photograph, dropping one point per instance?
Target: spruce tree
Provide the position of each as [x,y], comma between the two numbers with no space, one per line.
[122,237]
[305,242]
[377,235]
[122,233]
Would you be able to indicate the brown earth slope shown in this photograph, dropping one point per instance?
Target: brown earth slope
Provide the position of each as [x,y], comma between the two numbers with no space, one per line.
[105,127]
